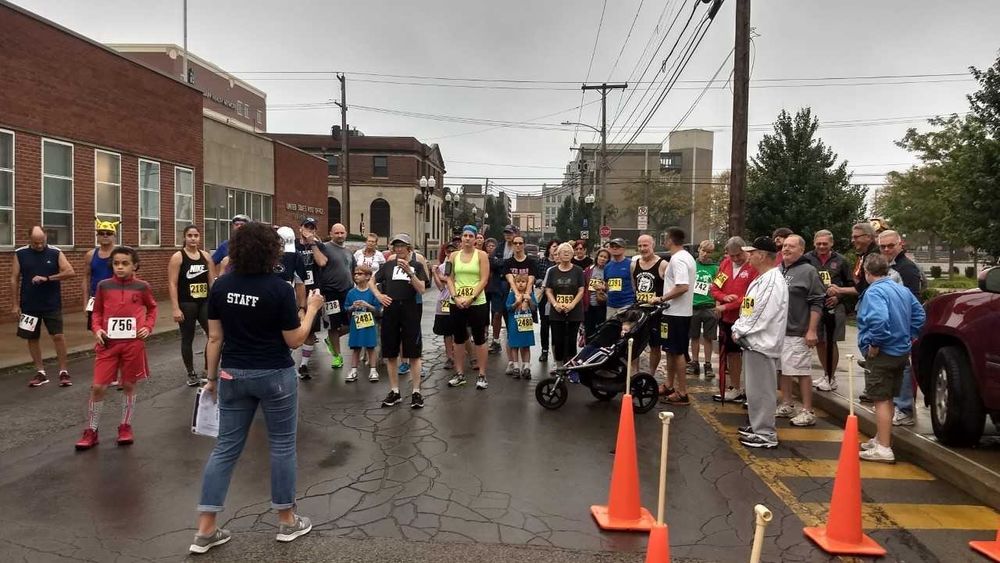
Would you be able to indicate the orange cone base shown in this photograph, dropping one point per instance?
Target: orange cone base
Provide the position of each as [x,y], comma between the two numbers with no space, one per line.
[658,550]
[990,549]
[866,546]
[644,523]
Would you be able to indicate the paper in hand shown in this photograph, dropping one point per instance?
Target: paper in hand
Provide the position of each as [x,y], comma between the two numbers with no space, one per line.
[205,420]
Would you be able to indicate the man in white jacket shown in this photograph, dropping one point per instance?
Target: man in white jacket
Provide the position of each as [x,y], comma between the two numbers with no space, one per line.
[760,331]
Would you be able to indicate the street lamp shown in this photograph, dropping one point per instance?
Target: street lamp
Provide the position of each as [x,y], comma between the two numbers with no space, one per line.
[603,168]
[427,186]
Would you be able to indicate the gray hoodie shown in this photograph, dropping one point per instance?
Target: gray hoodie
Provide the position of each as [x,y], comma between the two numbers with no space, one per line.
[806,293]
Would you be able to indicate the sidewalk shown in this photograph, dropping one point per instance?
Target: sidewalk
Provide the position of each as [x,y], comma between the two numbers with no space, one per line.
[79,340]
[973,470]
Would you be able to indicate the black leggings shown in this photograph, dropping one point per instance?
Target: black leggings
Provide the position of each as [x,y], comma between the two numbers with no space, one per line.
[564,339]
[544,322]
[194,311]
[592,318]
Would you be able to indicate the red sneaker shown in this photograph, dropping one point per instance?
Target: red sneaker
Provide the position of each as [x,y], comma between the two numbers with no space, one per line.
[125,437]
[88,441]
[64,380]
[39,379]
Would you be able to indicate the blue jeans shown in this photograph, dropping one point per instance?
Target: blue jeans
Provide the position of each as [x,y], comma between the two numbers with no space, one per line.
[904,401]
[276,391]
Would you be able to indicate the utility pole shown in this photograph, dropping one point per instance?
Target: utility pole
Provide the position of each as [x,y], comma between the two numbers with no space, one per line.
[345,156]
[184,57]
[741,102]
[603,170]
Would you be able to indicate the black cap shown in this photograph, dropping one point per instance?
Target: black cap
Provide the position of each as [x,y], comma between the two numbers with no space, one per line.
[617,242]
[308,221]
[765,244]
[510,229]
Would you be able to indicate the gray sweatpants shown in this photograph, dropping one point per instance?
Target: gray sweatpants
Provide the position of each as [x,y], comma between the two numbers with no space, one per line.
[760,378]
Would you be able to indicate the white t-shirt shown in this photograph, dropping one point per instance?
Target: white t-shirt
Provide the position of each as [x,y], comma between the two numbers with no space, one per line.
[374,261]
[680,271]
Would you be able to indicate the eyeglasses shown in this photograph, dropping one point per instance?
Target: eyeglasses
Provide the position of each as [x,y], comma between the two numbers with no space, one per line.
[856,237]
[893,245]
[105,233]
[515,243]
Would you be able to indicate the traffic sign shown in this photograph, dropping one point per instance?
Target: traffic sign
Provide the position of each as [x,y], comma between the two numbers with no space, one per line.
[605,231]
[643,211]
[584,235]
[642,223]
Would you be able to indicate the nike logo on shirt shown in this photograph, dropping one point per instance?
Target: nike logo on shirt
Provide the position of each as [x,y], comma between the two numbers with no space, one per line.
[195,271]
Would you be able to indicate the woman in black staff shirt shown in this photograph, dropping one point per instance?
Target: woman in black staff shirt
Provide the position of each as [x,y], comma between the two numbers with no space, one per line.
[253,320]
[398,284]
[564,290]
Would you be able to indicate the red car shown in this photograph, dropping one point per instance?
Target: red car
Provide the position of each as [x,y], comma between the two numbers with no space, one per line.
[956,361]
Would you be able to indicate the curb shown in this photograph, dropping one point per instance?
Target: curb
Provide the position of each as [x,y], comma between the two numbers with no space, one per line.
[978,481]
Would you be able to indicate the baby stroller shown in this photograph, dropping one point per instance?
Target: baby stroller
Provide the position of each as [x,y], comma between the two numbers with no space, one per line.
[601,365]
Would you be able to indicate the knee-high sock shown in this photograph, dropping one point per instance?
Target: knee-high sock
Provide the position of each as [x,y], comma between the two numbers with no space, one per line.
[128,407]
[94,413]
[307,352]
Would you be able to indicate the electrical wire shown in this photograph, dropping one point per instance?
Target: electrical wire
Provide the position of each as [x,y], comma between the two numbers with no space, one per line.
[590,67]
[625,43]
[700,96]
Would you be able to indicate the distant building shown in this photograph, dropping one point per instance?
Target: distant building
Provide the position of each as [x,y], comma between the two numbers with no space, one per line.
[527,215]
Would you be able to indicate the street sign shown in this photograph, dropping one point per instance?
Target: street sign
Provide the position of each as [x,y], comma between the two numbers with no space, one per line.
[643,211]
[642,222]
[584,235]
[605,231]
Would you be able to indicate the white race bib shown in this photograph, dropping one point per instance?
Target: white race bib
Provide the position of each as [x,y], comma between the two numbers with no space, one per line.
[90,305]
[27,322]
[121,327]
[701,288]
[309,277]
[332,307]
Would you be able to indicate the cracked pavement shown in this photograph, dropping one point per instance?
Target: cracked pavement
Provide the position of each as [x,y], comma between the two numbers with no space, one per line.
[475,476]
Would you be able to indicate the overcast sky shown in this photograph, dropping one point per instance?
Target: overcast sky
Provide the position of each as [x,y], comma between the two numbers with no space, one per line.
[552,41]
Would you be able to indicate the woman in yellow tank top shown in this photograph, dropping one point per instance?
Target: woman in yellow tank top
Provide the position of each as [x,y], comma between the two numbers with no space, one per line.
[468,272]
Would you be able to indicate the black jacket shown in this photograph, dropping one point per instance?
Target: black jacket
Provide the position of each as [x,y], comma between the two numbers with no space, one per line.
[909,272]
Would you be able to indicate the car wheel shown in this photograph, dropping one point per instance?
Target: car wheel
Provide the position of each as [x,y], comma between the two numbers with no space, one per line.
[957,413]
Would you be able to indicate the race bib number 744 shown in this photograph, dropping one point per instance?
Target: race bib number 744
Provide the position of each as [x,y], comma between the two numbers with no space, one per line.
[27,322]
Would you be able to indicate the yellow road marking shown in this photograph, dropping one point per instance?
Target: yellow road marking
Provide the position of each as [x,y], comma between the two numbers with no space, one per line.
[814,435]
[792,467]
[890,516]
[734,408]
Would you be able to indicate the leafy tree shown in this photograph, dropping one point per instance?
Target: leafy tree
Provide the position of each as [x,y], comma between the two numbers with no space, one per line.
[796,182]
[912,201]
[712,206]
[668,200]
[566,228]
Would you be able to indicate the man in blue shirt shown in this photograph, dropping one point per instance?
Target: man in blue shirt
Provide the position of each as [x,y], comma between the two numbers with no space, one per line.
[35,277]
[889,318]
[618,278]
[223,250]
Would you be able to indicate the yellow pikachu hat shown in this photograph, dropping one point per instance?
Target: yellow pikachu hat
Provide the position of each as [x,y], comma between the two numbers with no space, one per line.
[105,225]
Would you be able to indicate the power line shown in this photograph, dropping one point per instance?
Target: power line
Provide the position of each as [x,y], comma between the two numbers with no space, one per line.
[625,43]
[590,67]
[700,96]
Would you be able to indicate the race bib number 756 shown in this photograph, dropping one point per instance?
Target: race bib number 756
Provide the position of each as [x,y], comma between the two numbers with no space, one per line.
[121,327]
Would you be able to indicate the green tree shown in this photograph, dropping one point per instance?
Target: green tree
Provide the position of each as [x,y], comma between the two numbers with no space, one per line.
[796,182]
[565,220]
[913,202]
[667,200]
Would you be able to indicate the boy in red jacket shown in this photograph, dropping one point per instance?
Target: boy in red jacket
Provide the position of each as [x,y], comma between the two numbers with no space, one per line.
[728,289]
[123,317]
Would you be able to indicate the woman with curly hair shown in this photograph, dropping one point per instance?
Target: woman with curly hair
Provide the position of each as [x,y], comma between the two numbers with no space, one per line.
[253,320]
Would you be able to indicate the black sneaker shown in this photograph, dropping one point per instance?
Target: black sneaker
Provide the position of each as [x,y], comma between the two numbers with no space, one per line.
[494,347]
[193,380]
[692,369]
[525,373]
[544,357]
[864,398]
[416,401]
[745,431]
[392,399]
[304,373]
[758,441]
[707,369]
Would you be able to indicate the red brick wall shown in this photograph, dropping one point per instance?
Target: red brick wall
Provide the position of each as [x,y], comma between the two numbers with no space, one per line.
[300,179]
[62,87]
[402,169]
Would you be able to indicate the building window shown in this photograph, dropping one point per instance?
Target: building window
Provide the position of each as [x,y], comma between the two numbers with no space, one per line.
[149,203]
[108,186]
[381,166]
[260,117]
[670,162]
[239,108]
[57,192]
[332,165]
[6,188]
[380,214]
[222,203]
[183,202]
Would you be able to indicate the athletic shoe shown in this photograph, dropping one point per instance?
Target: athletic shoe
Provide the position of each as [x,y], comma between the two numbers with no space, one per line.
[125,437]
[391,399]
[785,410]
[827,385]
[525,373]
[735,395]
[337,362]
[511,370]
[288,532]
[481,383]
[676,399]
[731,394]
[804,418]
[869,444]
[352,376]
[900,418]
[89,440]
[459,379]
[449,364]
[416,401]
[64,379]
[304,372]
[117,383]
[39,379]
[193,380]
[202,544]
[878,453]
[758,441]
[495,347]
[574,376]
[544,357]
[745,431]
[707,369]
[404,368]
[373,375]
[693,369]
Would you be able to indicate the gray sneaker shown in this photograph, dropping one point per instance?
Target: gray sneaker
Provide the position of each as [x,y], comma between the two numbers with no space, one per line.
[288,532]
[204,543]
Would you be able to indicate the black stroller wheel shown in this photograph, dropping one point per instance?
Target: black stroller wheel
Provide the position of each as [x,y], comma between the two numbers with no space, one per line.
[551,393]
[644,393]
[602,395]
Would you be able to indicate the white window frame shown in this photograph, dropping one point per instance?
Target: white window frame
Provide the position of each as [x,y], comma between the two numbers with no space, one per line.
[178,194]
[13,185]
[72,189]
[159,207]
[260,117]
[105,216]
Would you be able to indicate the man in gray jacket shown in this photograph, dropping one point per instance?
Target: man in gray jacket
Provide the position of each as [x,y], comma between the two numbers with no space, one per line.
[806,295]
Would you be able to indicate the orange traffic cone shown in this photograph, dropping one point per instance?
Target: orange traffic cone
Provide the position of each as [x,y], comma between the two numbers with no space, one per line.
[658,550]
[843,533]
[623,511]
[990,549]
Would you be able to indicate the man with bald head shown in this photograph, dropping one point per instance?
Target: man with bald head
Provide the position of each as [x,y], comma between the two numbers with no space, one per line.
[336,268]
[35,278]
[647,279]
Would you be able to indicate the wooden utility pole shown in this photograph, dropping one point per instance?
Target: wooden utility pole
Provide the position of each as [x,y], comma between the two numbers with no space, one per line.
[603,169]
[345,157]
[741,102]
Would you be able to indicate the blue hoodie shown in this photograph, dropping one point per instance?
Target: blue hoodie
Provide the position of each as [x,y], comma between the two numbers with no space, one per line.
[889,317]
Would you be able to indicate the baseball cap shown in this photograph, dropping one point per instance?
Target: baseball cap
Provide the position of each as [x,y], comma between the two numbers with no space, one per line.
[308,221]
[510,229]
[617,242]
[765,244]
[287,238]
[240,218]
[403,238]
